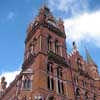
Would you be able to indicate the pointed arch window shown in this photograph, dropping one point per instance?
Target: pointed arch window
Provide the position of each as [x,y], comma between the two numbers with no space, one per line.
[49,42]
[94,97]
[50,83]
[60,87]
[27,84]
[56,47]
[76,80]
[59,72]
[86,95]
[49,68]
[77,92]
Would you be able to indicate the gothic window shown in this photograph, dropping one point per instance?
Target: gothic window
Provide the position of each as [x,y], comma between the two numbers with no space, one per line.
[86,95]
[49,68]
[79,63]
[76,80]
[38,98]
[60,87]
[94,97]
[59,72]
[32,46]
[50,83]
[27,85]
[59,90]
[56,47]
[49,42]
[77,92]
[84,83]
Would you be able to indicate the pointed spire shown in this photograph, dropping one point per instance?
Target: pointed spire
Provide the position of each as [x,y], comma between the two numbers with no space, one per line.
[88,57]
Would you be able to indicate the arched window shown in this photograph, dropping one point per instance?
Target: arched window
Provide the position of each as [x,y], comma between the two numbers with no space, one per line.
[49,68]
[86,95]
[76,80]
[94,97]
[50,83]
[49,42]
[59,72]
[60,87]
[56,47]
[27,84]
[77,92]
[84,83]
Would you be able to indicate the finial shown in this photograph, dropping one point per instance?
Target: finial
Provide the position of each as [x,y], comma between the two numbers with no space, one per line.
[3,83]
[74,45]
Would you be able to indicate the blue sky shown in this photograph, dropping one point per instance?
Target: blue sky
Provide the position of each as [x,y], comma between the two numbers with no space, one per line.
[81,18]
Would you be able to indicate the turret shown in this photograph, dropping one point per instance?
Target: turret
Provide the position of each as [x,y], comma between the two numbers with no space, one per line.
[3,85]
[91,65]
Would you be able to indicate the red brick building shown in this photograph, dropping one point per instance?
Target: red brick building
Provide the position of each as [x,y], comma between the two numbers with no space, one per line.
[48,71]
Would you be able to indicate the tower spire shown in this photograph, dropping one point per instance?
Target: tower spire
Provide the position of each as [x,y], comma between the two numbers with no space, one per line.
[88,57]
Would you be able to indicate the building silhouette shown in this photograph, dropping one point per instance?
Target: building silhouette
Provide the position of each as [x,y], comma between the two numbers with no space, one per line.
[48,71]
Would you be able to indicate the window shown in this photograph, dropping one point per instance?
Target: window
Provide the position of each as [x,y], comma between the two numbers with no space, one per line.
[94,97]
[76,80]
[86,95]
[84,83]
[38,98]
[50,80]
[50,83]
[49,42]
[60,87]
[56,47]
[60,83]
[27,84]
[59,72]
[49,68]
[77,92]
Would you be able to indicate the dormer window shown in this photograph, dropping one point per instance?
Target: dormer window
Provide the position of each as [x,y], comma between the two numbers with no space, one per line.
[27,84]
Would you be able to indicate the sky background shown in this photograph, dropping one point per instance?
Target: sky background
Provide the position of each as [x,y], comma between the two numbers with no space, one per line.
[81,19]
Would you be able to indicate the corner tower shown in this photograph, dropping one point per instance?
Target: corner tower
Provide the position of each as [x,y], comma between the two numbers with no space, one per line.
[45,55]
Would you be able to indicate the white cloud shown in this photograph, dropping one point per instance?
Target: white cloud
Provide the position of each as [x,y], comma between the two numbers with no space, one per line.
[10,76]
[10,15]
[85,27]
[72,6]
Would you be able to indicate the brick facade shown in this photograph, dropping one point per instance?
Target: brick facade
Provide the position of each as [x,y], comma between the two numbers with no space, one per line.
[48,71]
